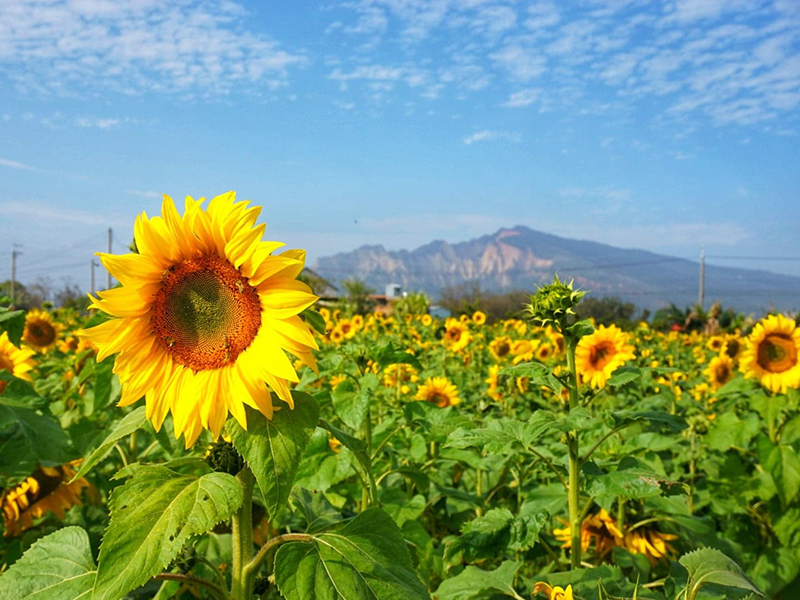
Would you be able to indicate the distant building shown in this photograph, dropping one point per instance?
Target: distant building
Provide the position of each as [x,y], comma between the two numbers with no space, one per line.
[394,290]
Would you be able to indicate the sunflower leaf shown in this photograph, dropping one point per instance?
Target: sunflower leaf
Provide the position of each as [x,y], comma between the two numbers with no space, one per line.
[473,582]
[351,401]
[273,449]
[127,425]
[624,375]
[367,558]
[708,565]
[152,516]
[69,574]
[13,323]
[313,318]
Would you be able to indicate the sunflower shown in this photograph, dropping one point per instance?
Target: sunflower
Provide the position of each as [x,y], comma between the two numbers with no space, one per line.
[523,350]
[41,332]
[716,343]
[544,352]
[16,361]
[553,593]
[204,317]
[733,346]
[601,353]
[456,335]
[600,528]
[47,489]
[439,391]
[426,320]
[500,347]
[399,373]
[494,381]
[336,335]
[772,354]
[653,544]
[719,371]
[479,317]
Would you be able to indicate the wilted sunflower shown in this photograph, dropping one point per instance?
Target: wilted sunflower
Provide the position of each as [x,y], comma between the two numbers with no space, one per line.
[41,331]
[47,489]
[653,544]
[719,371]
[772,354]
[205,316]
[601,353]
[16,361]
[439,391]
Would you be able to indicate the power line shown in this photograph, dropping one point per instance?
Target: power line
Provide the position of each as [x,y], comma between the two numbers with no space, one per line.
[718,257]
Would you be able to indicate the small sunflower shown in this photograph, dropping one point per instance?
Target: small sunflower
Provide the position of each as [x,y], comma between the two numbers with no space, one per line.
[733,346]
[399,373]
[523,350]
[17,361]
[772,354]
[439,391]
[544,352]
[205,316]
[494,381]
[426,320]
[601,353]
[456,335]
[715,343]
[47,489]
[41,331]
[553,593]
[479,317]
[719,371]
[500,347]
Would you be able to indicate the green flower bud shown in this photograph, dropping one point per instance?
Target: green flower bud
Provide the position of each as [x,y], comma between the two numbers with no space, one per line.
[223,458]
[553,303]
[185,561]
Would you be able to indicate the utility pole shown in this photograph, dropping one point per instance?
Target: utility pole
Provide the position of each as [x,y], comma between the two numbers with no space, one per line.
[108,279]
[94,264]
[701,299]
[14,254]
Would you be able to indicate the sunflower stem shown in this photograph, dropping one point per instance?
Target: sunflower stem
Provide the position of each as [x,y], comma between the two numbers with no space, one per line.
[242,530]
[573,448]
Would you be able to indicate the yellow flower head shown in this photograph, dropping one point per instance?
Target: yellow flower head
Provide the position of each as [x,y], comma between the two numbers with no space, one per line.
[47,489]
[772,354]
[479,317]
[553,593]
[733,346]
[719,371]
[599,528]
[500,347]
[17,361]
[426,320]
[601,353]
[653,544]
[456,335]
[439,391]
[399,373]
[41,331]
[205,316]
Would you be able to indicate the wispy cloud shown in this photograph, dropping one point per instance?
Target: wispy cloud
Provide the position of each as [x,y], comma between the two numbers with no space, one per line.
[489,135]
[143,194]
[522,98]
[13,164]
[43,212]
[134,46]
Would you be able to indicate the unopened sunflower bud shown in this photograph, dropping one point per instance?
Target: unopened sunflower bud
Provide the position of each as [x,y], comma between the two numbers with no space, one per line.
[223,458]
[553,303]
[185,561]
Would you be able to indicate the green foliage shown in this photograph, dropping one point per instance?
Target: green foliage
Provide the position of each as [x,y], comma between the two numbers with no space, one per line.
[127,425]
[366,558]
[57,567]
[709,566]
[473,583]
[13,323]
[152,517]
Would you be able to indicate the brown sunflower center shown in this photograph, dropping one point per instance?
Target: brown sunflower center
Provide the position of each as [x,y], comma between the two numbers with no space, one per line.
[601,354]
[503,348]
[722,373]
[777,353]
[439,399]
[732,348]
[206,313]
[40,333]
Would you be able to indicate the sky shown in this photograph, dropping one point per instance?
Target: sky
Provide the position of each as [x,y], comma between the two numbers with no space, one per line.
[667,126]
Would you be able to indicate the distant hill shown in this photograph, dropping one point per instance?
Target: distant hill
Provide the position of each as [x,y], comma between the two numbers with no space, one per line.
[519,258]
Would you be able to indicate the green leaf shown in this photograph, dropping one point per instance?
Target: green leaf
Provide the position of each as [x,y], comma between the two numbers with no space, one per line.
[580,329]
[103,383]
[488,536]
[624,375]
[273,449]
[152,517]
[629,480]
[392,353]
[12,322]
[505,435]
[784,466]
[708,565]
[537,374]
[128,424]
[473,582]
[28,439]
[351,401]
[661,420]
[313,318]
[57,567]
[367,558]
[729,430]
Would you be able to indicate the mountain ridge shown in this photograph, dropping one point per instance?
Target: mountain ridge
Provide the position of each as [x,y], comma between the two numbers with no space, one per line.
[520,258]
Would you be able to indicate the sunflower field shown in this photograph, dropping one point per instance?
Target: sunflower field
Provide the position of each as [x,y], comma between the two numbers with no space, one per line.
[209,431]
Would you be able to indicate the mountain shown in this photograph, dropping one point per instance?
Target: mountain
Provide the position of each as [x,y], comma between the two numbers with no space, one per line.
[519,258]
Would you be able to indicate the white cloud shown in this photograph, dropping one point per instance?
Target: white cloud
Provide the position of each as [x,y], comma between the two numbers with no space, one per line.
[143,194]
[97,122]
[488,135]
[522,98]
[13,164]
[135,46]
[523,64]
[42,212]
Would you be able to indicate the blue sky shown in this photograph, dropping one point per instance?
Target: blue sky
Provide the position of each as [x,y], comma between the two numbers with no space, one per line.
[660,125]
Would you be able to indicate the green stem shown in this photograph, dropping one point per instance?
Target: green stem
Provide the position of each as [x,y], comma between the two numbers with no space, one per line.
[242,536]
[479,492]
[573,447]
[621,513]
[254,565]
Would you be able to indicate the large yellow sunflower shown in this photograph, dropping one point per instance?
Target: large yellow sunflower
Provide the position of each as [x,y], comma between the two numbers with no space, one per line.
[456,335]
[205,316]
[47,489]
[439,391]
[41,332]
[16,361]
[772,354]
[601,353]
